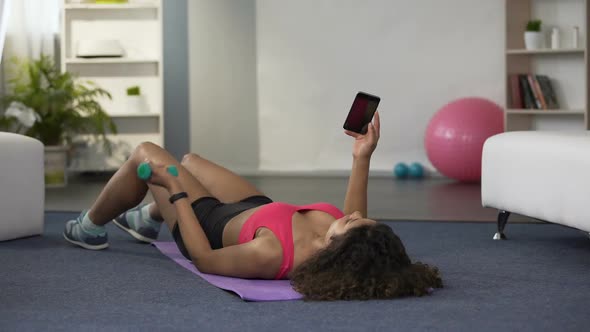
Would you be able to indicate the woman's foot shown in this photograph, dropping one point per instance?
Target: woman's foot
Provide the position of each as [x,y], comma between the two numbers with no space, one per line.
[138,223]
[86,235]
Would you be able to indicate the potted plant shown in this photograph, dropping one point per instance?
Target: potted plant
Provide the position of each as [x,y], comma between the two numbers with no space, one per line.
[533,37]
[53,107]
[135,101]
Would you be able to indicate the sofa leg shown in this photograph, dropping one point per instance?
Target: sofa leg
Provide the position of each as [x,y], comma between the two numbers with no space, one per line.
[502,220]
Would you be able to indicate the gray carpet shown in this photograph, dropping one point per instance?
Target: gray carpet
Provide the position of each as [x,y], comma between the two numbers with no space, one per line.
[537,280]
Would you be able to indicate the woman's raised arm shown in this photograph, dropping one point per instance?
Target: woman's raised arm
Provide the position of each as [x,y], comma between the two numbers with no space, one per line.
[363,148]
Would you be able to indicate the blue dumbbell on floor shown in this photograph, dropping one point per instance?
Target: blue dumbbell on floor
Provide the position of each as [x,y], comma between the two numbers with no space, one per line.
[414,170]
[401,170]
[144,171]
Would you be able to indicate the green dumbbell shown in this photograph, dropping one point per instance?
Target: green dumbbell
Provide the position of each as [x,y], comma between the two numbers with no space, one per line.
[144,171]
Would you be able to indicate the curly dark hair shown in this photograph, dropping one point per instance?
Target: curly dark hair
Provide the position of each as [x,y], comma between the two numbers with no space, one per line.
[367,262]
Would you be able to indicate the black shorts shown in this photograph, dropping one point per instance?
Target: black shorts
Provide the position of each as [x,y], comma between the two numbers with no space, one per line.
[213,215]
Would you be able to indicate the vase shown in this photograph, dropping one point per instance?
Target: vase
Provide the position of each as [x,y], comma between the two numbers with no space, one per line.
[55,166]
[534,40]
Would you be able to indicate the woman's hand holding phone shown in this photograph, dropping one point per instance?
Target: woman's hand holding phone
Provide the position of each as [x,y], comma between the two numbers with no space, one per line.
[365,144]
[361,112]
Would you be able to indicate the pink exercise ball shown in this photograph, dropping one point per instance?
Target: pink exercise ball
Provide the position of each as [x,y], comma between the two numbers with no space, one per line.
[456,134]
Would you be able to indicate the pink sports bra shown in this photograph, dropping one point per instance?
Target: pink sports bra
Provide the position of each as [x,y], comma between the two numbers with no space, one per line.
[278,217]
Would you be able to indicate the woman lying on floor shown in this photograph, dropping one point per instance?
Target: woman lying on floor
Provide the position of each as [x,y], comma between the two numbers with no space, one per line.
[227,227]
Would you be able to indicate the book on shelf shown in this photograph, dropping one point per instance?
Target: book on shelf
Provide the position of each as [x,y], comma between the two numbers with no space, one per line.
[530,91]
[537,92]
[516,92]
[548,92]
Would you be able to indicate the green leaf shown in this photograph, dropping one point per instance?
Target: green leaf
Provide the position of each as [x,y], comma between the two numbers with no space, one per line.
[67,106]
[534,25]
[133,91]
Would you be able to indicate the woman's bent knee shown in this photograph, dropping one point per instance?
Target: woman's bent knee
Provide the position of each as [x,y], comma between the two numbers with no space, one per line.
[148,145]
[144,149]
[189,157]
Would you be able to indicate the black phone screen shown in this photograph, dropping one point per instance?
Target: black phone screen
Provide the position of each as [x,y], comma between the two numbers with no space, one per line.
[361,112]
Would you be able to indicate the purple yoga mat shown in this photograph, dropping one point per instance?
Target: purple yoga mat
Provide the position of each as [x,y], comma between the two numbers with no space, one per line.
[247,289]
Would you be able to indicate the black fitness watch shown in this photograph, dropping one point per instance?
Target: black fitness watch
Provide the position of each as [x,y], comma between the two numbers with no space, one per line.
[177,196]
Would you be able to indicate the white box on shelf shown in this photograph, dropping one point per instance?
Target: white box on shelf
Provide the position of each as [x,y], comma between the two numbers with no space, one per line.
[99,48]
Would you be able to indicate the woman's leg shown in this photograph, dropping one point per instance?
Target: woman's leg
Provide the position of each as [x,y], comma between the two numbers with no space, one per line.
[125,190]
[222,183]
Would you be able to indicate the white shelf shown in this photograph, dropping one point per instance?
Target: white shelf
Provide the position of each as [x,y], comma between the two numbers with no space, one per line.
[546,51]
[108,60]
[135,115]
[545,112]
[93,6]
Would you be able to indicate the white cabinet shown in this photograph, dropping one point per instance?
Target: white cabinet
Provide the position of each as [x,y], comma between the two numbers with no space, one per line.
[136,27]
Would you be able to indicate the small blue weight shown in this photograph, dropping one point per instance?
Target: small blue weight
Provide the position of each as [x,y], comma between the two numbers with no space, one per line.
[416,170]
[172,170]
[144,171]
[401,170]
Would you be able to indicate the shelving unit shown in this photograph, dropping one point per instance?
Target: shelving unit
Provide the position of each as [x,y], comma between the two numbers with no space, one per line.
[138,27]
[73,6]
[568,67]
[109,60]
[546,51]
[545,112]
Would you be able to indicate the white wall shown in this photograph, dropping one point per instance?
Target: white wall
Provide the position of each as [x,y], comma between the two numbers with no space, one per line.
[292,69]
[313,56]
[222,62]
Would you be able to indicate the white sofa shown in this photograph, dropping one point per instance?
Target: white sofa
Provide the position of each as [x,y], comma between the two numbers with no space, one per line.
[22,186]
[543,175]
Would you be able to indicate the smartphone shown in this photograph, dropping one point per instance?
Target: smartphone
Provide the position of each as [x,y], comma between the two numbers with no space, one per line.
[361,112]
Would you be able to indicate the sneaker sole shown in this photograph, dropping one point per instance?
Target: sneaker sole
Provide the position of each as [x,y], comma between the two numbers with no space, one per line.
[133,233]
[86,245]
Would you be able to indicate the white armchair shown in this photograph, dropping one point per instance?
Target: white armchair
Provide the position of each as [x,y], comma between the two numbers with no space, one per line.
[22,186]
[540,174]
